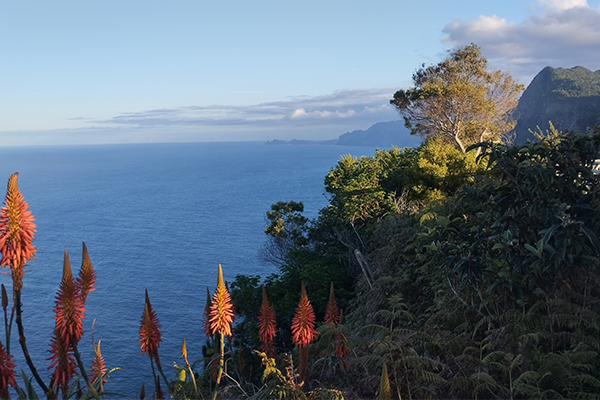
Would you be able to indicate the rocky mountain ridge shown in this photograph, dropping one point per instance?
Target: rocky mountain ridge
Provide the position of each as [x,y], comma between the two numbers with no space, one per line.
[569,98]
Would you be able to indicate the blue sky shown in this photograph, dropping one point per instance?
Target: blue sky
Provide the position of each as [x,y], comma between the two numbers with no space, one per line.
[123,71]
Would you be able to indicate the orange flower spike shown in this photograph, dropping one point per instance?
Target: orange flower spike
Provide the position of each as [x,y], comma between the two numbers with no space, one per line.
[266,323]
[303,324]
[62,361]
[332,314]
[7,372]
[221,309]
[69,307]
[87,275]
[149,331]
[206,317]
[17,230]
[98,366]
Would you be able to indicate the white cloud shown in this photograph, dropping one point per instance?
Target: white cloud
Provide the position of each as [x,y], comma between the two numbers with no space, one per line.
[564,33]
[562,5]
[299,113]
[485,24]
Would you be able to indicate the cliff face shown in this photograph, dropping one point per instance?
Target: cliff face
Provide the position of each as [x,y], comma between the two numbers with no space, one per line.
[570,98]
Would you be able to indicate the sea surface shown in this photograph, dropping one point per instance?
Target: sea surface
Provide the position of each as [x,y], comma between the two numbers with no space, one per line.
[159,217]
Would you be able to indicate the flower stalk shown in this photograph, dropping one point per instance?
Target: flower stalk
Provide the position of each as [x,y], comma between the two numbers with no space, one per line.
[184,355]
[303,331]
[266,324]
[17,230]
[69,310]
[150,339]
[221,317]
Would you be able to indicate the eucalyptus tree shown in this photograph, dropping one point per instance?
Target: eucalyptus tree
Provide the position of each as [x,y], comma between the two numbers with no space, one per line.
[459,100]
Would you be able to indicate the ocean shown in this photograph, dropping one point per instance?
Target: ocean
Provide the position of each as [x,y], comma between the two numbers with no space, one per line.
[159,217]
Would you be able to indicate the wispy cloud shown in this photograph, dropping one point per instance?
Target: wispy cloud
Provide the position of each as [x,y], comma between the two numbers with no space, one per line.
[562,33]
[340,107]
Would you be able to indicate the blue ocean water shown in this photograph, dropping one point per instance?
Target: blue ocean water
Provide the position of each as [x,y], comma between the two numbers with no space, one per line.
[153,216]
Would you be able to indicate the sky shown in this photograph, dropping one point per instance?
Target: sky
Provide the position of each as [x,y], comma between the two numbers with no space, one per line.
[133,71]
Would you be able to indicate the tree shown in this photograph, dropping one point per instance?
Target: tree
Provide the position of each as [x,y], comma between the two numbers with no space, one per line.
[287,229]
[459,100]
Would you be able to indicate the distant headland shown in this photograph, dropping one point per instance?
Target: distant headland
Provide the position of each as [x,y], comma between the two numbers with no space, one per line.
[384,134]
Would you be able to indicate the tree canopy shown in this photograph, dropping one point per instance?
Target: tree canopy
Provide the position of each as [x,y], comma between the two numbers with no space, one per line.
[459,100]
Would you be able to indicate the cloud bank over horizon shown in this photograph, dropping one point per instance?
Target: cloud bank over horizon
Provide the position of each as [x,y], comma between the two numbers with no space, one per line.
[309,117]
[558,33]
[357,105]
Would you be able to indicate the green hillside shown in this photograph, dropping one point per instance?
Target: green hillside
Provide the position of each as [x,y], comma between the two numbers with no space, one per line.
[569,98]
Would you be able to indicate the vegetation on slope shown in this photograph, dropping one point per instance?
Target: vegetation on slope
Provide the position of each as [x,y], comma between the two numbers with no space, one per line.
[478,281]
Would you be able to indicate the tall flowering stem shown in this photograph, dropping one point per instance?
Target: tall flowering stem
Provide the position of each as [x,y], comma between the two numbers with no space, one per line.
[150,337]
[63,361]
[68,328]
[184,355]
[17,231]
[334,316]
[98,367]
[221,318]
[266,324]
[69,308]
[303,330]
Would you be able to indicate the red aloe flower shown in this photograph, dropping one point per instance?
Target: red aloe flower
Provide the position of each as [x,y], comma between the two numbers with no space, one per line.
[303,324]
[332,314]
[68,328]
[69,307]
[221,309]
[206,317]
[62,361]
[7,372]
[266,323]
[87,275]
[303,331]
[17,230]
[98,366]
[150,331]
